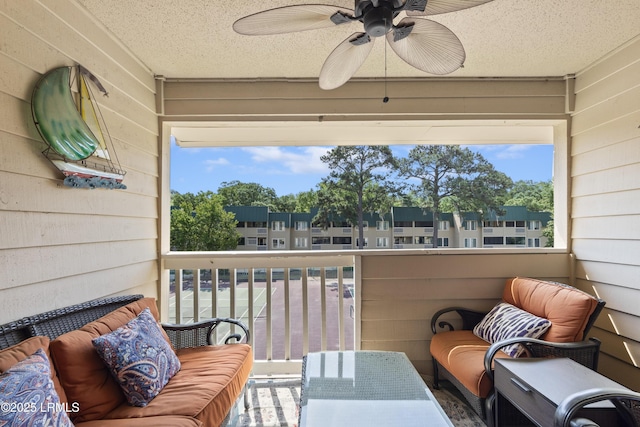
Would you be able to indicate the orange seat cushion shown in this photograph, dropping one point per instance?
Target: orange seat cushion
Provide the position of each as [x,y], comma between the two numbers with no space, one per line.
[462,354]
[209,382]
[568,309]
[167,421]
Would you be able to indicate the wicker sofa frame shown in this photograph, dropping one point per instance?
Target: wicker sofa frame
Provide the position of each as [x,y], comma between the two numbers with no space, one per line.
[62,320]
[584,352]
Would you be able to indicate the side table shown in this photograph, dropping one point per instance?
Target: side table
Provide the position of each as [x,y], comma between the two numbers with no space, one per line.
[535,388]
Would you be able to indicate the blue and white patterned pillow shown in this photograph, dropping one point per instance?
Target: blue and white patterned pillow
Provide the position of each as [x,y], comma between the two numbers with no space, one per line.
[508,321]
[139,357]
[28,396]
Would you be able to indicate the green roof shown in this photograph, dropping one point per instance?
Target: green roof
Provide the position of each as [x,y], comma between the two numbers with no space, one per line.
[249,213]
[518,213]
[412,214]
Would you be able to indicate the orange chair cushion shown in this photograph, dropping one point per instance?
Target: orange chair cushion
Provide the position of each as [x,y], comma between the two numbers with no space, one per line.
[568,309]
[462,354]
[16,353]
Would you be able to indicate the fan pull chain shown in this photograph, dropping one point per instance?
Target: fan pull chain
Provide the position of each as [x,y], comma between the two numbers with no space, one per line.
[386,98]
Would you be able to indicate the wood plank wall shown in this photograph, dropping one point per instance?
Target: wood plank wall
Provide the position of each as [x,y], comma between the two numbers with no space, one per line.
[442,99]
[606,204]
[61,246]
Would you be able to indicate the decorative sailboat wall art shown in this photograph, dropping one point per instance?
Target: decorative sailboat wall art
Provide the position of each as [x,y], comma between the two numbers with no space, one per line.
[68,118]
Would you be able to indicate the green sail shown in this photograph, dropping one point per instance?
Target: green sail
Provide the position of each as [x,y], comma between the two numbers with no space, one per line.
[58,119]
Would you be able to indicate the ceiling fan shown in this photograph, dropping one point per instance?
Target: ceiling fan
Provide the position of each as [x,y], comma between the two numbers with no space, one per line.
[424,44]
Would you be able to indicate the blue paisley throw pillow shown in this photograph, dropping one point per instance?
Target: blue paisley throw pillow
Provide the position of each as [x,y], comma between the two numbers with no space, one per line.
[28,396]
[139,357]
[508,321]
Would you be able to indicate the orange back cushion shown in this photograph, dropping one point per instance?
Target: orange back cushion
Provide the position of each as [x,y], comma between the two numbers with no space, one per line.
[567,308]
[16,353]
[84,376]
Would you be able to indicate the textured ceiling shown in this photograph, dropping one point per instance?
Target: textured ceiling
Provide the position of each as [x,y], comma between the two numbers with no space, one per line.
[503,38]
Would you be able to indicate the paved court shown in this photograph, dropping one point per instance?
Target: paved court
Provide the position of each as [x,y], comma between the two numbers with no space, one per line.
[259,327]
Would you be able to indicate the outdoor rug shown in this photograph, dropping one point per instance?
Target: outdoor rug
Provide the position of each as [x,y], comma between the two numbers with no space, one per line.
[274,403]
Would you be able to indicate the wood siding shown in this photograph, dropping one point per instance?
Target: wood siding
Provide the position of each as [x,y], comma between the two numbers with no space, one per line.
[362,100]
[605,198]
[61,246]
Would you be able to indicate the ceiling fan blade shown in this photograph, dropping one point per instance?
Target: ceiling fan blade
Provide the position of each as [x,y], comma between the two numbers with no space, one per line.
[429,45]
[436,7]
[345,60]
[291,19]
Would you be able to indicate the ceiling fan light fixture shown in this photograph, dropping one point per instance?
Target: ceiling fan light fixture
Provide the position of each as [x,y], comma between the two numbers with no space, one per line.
[424,44]
[378,20]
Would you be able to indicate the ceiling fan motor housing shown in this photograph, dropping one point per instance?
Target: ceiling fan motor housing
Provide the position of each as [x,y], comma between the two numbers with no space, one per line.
[377,16]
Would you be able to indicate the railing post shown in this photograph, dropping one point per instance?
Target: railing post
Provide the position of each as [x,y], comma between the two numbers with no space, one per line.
[232,297]
[196,295]
[215,278]
[287,316]
[269,337]
[251,301]
[323,308]
[178,286]
[341,307]
[305,311]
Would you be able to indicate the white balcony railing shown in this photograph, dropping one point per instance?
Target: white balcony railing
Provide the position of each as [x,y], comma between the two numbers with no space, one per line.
[292,305]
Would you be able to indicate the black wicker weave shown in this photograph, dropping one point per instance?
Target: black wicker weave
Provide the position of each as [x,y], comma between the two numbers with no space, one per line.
[584,352]
[62,320]
[202,333]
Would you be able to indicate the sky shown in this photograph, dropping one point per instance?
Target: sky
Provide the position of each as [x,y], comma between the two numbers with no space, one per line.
[290,170]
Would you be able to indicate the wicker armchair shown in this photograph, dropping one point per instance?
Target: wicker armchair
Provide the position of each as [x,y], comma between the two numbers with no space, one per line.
[585,352]
[627,403]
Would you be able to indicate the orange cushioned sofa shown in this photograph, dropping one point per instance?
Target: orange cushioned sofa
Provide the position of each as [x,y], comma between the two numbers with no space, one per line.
[465,356]
[202,393]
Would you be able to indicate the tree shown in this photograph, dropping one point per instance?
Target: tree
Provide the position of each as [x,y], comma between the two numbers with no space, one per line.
[236,193]
[536,196]
[306,200]
[466,180]
[200,223]
[358,182]
[286,203]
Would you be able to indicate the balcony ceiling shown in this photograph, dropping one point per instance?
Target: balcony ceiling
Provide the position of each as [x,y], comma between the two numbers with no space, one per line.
[503,38]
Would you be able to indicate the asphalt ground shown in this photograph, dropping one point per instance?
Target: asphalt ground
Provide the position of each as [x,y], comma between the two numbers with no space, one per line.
[259,327]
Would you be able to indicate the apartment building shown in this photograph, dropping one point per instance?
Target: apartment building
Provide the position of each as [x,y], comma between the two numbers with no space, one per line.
[402,228]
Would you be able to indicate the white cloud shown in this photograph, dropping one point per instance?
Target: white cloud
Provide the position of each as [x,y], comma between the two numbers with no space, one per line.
[504,152]
[304,160]
[513,152]
[212,164]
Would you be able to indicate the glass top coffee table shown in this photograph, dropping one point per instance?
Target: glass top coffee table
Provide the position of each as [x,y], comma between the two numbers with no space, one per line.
[365,388]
